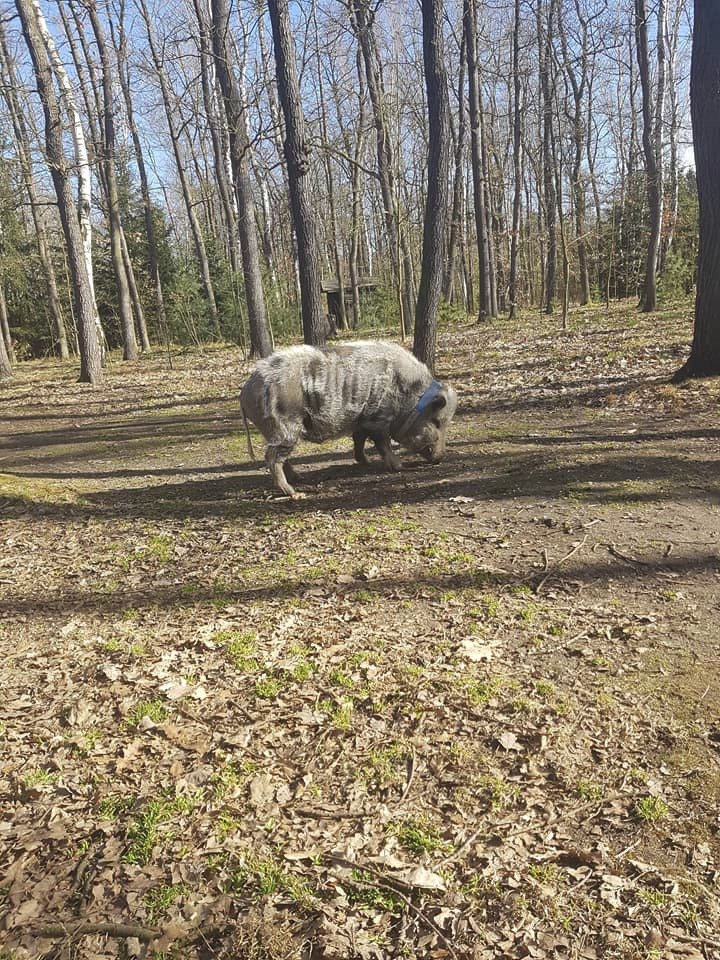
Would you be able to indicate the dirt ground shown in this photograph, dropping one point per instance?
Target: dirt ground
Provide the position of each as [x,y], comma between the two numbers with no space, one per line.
[469,711]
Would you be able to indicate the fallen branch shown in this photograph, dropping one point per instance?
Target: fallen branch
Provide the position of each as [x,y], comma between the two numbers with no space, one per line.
[623,556]
[555,567]
[120,931]
[411,775]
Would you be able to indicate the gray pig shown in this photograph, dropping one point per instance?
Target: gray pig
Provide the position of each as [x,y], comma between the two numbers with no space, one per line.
[367,389]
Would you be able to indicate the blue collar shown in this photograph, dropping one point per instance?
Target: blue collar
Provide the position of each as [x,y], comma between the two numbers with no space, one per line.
[427,398]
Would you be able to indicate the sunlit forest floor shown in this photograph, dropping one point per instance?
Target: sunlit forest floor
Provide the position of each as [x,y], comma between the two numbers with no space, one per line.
[469,711]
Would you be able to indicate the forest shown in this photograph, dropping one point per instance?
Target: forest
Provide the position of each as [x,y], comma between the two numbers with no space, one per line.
[568,166]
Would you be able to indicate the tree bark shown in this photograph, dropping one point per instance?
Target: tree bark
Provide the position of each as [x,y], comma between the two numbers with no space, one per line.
[517,172]
[130,349]
[329,178]
[6,370]
[195,229]
[22,140]
[578,82]
[437,206]
[547,87]
[673,127]
[84,205]
[653,162]
[217,125]
[120,45]
[83,298]
[260,339]
[297,157]
[485,309]
[400,256]
[458,181]
[704,357]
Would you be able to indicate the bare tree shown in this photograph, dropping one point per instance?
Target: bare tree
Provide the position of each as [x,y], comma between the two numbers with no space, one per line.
[437,206]
[6,370]
[120,44]
[546,23]
[459,137]
[517,161]
[60,170]
[260,339]
[477,149]
[652,142]
[704,357]
[217,126]
[82,160]
[329,175]
[130,350]
[10,91]
[362,19]
[297,157]
[195,228]
[575,68]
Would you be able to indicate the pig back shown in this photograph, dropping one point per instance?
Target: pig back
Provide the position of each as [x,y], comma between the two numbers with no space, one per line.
[361,384]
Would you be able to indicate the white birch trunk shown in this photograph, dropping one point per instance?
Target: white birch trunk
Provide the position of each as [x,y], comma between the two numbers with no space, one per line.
[81,154]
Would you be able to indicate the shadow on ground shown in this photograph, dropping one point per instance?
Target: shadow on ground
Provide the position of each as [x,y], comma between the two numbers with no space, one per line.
[189,592]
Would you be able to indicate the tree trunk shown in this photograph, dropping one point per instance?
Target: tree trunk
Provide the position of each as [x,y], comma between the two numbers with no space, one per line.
[517,172]
[356,235]
[437,207]
[547,87]
[22,140]
[578,82]
[84,301]
[130,350]
[6,370]
[84,205]
[195,229]
[673,128]
[208,67]
[260,339]
[329,179]
[704,358]
[297,157]
[653,163]
[397,242]
[95,94]
[152,252]
[476,156]
[135,295]
[490,219]
[458,182]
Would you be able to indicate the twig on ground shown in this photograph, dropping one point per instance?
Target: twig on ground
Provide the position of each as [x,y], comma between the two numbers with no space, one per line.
[556,566]
[411,777]
[83,928]
[624,556]
[619,856]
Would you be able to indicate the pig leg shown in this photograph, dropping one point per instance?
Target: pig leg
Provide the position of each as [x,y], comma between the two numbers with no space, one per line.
[292,474]
[359,438]
[275,456]
[382,445]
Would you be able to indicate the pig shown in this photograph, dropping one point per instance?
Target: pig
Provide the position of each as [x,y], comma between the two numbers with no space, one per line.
[366,389]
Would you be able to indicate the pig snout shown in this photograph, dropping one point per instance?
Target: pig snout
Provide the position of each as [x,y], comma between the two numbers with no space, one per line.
[435,453]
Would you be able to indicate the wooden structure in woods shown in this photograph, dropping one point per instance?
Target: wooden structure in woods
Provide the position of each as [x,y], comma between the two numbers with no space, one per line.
[331,289]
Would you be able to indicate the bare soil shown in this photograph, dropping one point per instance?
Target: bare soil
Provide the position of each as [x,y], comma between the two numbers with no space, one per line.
[467,711]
